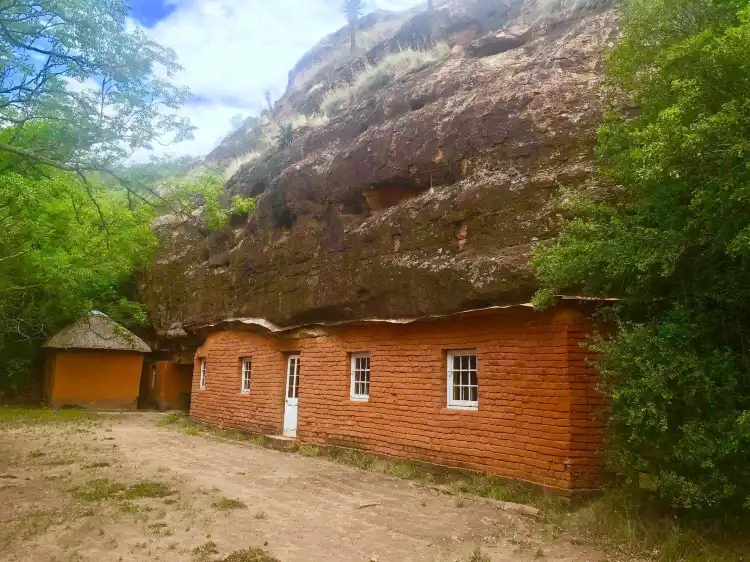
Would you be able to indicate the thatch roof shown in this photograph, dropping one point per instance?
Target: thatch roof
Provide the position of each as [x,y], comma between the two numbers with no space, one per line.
[97,331]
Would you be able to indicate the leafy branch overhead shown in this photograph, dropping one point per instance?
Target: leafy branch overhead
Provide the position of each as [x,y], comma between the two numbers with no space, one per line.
[75,64]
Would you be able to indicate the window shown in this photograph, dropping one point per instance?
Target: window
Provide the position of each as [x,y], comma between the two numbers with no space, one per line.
[292,378]
[360,388]
[202,381]
[463,390]
[247,367]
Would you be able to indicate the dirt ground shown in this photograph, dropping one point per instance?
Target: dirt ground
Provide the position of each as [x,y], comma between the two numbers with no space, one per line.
[123,488]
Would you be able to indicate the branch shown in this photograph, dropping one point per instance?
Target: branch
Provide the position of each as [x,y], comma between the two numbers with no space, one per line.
[15,255]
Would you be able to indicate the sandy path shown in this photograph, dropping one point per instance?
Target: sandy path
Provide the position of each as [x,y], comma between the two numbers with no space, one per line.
[301,509]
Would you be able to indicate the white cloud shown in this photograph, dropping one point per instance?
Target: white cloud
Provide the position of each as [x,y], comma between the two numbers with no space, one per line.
[233,50]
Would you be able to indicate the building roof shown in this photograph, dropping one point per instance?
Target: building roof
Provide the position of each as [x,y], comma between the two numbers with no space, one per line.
[97,331]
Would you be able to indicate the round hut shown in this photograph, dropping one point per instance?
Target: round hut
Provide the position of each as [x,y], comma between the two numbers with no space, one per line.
[94,363]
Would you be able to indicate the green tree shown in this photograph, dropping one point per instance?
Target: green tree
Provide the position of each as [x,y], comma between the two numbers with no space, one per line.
[353,10]
[672,244]
[68,246]
[79,94]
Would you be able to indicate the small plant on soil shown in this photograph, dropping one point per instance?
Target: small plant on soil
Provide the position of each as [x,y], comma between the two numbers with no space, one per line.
[148,489]
[205,550]
[98,490]
[309,450]
[250,555]
[103,489]
[98,465]
[225,503]
[478,556]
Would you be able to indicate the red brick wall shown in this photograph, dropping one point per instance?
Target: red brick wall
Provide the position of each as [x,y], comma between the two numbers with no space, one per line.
[538,403]
[221,402]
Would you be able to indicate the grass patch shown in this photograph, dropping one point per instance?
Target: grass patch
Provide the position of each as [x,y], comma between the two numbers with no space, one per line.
[100,464]
[250,555]
[206,549]
[183,423]
[13,416]
[148,489]
[309,450]
[101,489]
[374,77]
[171,418]
[631,522]
[478,556]
[160,529]
[59,461]
[455,482]
[98,490]
[224,503]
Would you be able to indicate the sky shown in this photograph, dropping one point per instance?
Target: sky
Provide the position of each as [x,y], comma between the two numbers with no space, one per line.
[233,50]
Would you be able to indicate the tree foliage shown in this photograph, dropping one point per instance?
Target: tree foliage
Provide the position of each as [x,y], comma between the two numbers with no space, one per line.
[199,195]
[79,94]
[674,249]
[73,62]
[57,259]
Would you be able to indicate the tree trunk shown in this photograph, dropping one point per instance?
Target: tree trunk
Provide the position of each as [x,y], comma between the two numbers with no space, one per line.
[430,18]
[353,34]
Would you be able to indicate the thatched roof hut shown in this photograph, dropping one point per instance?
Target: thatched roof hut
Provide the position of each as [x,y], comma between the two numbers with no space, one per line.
[97,331]
[94,363]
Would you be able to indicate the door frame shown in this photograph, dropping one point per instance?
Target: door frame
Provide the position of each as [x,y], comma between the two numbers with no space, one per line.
[287,371]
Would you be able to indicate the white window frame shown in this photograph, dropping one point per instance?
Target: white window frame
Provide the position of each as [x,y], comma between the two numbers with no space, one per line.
[462,404]
[354,370]
[247,374]
[202,380]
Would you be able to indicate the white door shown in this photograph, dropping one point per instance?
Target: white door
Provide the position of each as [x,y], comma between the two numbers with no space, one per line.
[292,396]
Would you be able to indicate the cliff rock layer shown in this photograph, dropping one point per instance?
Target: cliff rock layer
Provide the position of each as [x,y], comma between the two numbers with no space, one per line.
[424,197]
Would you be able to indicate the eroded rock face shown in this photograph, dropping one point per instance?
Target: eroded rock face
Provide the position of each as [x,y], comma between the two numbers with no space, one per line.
[426,198]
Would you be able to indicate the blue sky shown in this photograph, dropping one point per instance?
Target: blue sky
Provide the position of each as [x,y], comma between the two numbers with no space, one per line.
[233,50]
[149,12]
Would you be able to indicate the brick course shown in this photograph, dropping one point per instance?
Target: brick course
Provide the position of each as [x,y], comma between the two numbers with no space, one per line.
[539,409]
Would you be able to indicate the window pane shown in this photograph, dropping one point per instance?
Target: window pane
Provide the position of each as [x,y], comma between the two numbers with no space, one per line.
[456,392]
[473,361]
[473,380]
[474,394]
[456,362]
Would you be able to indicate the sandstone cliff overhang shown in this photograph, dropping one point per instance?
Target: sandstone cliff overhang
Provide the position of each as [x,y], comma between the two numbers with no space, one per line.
[263,327]
[425,198]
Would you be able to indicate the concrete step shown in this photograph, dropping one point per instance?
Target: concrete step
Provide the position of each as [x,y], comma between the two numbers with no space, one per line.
[282,443]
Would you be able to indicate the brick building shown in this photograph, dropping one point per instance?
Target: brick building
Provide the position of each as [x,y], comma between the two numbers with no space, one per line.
[502,390]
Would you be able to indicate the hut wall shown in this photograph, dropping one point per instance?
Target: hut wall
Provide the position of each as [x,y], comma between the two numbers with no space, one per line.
[95,379]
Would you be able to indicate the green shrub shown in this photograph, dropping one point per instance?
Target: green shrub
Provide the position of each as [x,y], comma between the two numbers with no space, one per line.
[285,135]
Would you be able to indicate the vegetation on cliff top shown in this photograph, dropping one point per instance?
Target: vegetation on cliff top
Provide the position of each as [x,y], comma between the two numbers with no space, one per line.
[674,249]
